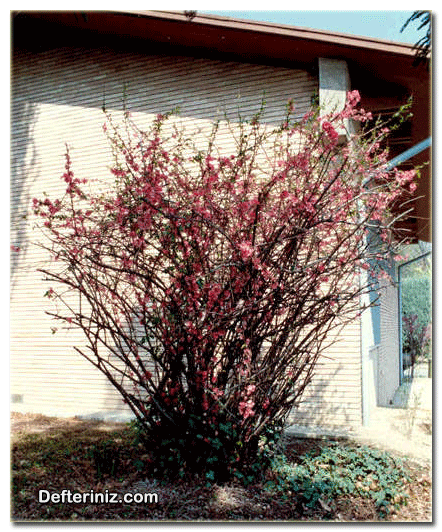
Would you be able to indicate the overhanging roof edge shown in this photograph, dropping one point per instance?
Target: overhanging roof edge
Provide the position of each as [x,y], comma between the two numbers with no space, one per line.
[282,30]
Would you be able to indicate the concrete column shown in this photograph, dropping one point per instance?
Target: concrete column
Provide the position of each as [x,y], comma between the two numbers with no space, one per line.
[334,83]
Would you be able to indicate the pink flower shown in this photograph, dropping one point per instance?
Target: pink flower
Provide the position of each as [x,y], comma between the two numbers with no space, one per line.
[213,294]
[246,409]
[205,403]
[50,293]
[246,250]
[353,98]
[330,132]
[217,393]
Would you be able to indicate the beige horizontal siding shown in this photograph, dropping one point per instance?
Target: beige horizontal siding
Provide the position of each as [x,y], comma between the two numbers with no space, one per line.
[57,98]
[333,398]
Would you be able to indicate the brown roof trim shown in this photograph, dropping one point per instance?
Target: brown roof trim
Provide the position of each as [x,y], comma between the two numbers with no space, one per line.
[285,30]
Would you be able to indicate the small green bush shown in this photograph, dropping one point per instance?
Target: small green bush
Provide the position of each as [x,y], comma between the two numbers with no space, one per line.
[338,470]
[416,298]
[217,452]
[416,318]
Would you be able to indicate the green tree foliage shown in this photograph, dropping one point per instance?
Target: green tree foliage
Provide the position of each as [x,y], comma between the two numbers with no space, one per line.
[422,45]
[416,298]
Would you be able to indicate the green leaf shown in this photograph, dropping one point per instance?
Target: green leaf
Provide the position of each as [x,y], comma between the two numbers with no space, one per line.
[210,475]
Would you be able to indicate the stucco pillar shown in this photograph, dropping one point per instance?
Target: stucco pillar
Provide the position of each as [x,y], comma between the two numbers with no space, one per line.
[334,83]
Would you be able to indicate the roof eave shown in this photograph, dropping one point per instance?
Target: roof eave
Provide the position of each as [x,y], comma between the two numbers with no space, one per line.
[285,30]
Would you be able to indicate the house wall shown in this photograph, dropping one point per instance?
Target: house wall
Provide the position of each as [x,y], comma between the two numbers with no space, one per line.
[333,398]
[57,98]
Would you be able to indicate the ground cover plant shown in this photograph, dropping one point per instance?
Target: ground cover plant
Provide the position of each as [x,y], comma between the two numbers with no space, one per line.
[308,480]
[209,277]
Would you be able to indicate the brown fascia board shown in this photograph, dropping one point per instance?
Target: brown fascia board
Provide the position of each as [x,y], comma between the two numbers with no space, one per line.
[279,30]
[265,41]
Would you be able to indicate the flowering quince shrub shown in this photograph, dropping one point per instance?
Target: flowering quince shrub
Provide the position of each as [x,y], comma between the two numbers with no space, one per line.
[209,283]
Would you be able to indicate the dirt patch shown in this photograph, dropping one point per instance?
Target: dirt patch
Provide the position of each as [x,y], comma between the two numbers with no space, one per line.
[37,424]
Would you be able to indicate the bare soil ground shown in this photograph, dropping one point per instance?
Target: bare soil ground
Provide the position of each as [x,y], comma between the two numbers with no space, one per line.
[53,454]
